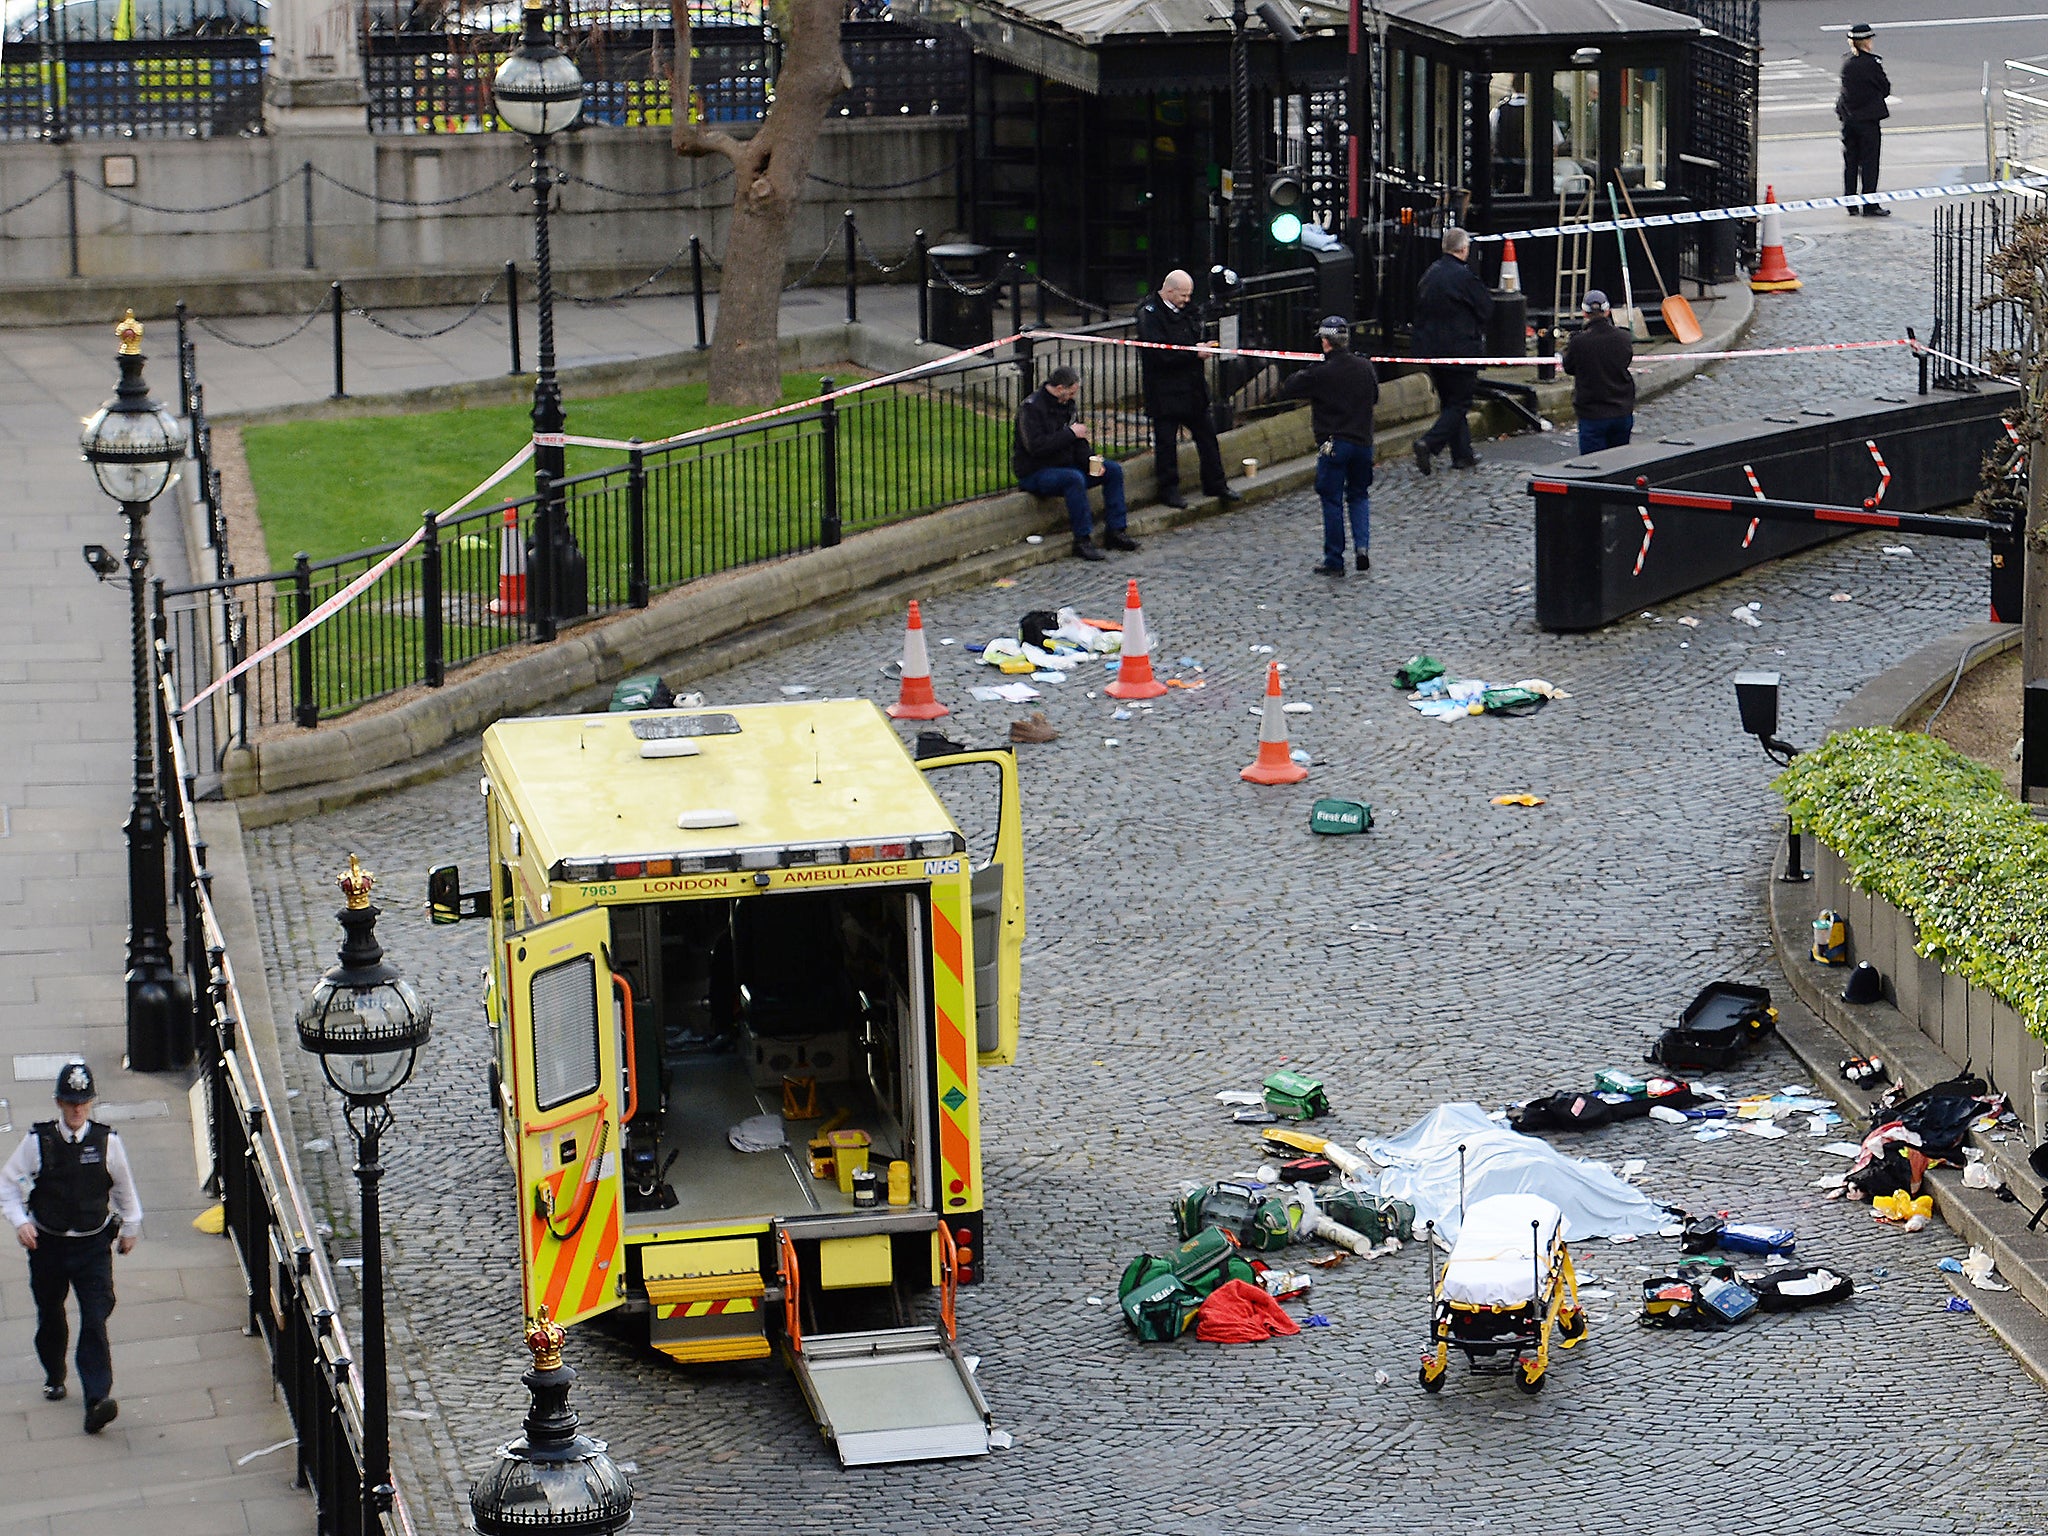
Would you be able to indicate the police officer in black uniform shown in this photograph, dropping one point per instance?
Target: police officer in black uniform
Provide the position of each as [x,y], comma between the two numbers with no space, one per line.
[1862,109]
[69,1195]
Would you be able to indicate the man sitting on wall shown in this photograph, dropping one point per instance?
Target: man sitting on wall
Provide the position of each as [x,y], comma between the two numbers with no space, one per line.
[1050,457]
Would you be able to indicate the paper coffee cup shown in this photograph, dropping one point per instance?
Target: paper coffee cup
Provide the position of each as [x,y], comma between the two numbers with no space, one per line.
[1094,463]
[1251,468]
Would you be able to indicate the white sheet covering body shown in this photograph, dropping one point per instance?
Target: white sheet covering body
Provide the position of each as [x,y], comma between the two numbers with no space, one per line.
[1494,1263]
[1421,1166]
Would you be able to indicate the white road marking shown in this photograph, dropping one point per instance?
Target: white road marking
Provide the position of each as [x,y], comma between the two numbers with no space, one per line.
[1949,21]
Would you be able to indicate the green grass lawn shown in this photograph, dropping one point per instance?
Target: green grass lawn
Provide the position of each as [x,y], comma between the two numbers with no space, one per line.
[328,487]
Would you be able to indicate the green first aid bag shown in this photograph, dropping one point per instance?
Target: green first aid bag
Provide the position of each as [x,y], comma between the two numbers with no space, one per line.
[1374,1217]
[1156,1303]
[1334,817]
[1296,1095]
[1257,1221]
[1512,701]
[1416,671]
[1208,1259]
[645,691]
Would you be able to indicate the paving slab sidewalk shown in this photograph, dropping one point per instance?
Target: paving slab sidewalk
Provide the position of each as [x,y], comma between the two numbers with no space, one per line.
[202,1444]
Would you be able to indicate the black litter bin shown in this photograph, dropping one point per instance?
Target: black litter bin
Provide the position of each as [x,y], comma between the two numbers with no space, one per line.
[962,297]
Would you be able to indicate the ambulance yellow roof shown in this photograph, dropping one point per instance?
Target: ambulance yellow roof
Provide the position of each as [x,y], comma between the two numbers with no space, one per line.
[829,770]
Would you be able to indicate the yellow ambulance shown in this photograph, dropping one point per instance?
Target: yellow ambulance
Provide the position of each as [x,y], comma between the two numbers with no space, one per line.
[746,967]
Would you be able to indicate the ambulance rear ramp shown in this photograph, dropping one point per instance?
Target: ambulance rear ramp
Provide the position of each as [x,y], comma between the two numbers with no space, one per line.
[893,1394]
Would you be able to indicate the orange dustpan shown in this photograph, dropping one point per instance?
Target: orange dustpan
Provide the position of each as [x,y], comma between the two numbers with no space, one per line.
[1679,319]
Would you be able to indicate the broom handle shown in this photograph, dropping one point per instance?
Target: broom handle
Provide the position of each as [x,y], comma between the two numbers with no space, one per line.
[1643,235]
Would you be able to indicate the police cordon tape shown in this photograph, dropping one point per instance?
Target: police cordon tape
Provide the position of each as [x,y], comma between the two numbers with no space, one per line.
[1747,211]
[347,594]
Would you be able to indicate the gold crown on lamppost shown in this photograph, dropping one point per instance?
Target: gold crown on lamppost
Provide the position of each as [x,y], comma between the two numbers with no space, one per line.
[129,334]
[356,885]
[545,1339]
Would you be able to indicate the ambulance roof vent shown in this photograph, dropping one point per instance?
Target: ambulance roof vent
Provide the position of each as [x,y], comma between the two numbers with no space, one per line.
[672,746]
[672,727]
[698,821]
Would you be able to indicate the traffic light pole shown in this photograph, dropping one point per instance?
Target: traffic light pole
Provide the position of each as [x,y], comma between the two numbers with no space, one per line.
[1238,248]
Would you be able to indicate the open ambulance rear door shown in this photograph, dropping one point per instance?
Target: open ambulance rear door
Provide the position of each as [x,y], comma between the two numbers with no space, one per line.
[566,1092]
[980,789]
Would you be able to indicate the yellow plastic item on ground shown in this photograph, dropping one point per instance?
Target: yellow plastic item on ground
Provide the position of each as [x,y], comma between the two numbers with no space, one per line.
[1517,800]
[1902,1206]
[212,1221]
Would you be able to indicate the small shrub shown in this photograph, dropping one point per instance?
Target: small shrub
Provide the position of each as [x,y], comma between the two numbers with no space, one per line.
[1934,833]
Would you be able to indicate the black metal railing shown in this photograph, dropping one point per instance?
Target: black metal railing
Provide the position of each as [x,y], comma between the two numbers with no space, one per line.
[188,87]
[1967,234]
[288,1280]
[663,517]
[423,79]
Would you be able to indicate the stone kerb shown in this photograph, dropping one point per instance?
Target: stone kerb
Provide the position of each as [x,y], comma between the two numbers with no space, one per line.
[1930,1023]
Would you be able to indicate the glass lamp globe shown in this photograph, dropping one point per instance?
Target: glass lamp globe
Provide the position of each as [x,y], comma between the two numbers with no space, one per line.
[538,89]
[362,1019]
[132,442]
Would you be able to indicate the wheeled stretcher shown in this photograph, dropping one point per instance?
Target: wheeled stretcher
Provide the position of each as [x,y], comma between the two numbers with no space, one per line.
[1507,1283]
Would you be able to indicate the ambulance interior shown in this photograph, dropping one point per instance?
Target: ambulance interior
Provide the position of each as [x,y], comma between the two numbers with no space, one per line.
[809,1005]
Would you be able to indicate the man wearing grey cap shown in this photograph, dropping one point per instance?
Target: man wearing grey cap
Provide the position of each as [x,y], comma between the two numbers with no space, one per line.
[69,1195]
[1603,390]
[1341,390]
[1861,107]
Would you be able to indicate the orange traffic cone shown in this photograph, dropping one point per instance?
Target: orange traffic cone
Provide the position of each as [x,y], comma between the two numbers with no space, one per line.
[1273,765]
[511,598]
[1510,270]
[1134,679]
[915,700]
[1773,273]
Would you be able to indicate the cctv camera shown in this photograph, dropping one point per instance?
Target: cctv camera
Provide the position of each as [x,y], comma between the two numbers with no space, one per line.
[102,561]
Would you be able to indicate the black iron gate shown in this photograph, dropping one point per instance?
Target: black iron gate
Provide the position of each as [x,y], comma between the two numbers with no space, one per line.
[1719,170]
[1967,234]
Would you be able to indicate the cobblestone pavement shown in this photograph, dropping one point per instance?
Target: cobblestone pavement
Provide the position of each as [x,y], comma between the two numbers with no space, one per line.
[1188,935]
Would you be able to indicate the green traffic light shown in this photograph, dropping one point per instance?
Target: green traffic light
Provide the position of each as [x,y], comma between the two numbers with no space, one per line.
[1286,228]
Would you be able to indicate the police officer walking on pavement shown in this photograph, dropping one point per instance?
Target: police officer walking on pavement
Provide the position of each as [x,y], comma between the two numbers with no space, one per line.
[1177,391]
[1452,307]
[1603,390]
[69,1195]
[1341,390]
[1861,107]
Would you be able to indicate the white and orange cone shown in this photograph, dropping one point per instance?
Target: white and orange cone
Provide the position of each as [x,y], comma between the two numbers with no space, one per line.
[1273,765]
[1510,270]
[511,598]
[915,699]
[1773,272]
[1134,679]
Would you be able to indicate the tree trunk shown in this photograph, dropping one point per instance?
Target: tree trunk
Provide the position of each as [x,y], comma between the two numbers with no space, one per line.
[770,171]
[2034,551]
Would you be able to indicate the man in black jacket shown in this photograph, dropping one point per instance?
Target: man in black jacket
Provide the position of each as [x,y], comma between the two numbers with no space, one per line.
[1177,390]
[1452,307]
[1049,453]
[1603,389]
[1861,107]
[1341,390]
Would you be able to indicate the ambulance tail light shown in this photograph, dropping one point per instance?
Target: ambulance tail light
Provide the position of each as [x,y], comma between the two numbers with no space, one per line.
[629,869]
[760,858]
[816,853]
[936,847]
[584,871]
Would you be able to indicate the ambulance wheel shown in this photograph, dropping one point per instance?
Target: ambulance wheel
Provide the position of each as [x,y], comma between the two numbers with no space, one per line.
[1529,1376]
[1431,1376]
[1572,1326]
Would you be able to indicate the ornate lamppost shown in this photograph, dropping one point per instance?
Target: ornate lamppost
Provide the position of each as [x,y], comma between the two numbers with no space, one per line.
[366,1024]
[552,1479]
[539,92]
[133,444]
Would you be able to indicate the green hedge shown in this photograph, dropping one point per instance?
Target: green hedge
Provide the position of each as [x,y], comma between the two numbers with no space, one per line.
[1935,834]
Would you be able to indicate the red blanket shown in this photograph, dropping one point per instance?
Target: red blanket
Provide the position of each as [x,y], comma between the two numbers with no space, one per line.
[1239,1313]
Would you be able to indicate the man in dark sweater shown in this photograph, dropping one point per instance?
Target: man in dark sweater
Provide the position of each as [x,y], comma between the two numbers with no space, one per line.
[1452,307]
[1341,390]
[1861,107]
[1177,390]
[1603,389]
[1050,455]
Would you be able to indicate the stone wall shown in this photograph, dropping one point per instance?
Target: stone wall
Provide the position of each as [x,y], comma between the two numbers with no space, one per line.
[251,258]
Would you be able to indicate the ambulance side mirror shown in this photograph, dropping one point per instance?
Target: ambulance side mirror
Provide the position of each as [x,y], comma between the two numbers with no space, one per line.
[447,902]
